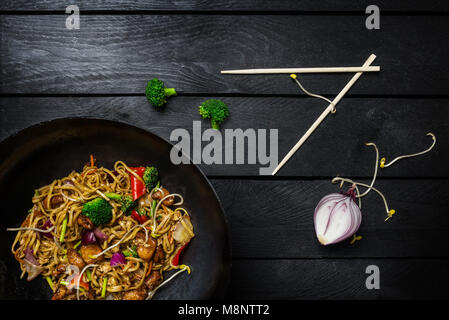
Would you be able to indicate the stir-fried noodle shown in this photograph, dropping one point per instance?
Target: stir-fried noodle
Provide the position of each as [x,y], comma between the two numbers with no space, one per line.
[95,235]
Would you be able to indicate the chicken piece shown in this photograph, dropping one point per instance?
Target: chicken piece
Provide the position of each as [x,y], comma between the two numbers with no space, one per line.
[137,275]
[104,267]
[60,269]
[55,201]
[138,294]
[159,195]
[89,251]
[85,222]
[60,293]
[153,280]
[75,259]
[159,254]
[145,250]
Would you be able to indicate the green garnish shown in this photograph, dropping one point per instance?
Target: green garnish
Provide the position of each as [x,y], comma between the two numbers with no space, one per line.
[103,289]
[50,283]
[153,207]
[131,252]
[64,228]
[77,244]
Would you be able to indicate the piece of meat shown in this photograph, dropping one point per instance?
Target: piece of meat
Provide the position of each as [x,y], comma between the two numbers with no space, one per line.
[145,250]
[55,201]
[159,195]
[159,254]
[60,269]
[88,252]
[85,222]
[153,280]
[60,293]
[137,275]
[75,259]
[138,294]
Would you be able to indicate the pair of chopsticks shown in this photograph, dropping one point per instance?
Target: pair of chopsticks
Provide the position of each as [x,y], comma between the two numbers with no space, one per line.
[359,71]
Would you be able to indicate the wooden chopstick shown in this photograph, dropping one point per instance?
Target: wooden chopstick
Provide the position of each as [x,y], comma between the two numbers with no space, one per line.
[304,70]
[323,115]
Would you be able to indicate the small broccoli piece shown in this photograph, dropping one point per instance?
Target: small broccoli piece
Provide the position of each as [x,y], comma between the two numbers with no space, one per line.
[157,93]
[150,177]
[98,210]
[128,204]
[126,201]
[215,110]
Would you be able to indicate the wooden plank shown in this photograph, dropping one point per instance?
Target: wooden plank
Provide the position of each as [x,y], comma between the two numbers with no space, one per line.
[339,279]
[398,126]
[275,219]
[120,53]
[229,5]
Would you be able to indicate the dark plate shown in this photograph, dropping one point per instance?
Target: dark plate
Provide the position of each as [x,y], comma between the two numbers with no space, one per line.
[38,155]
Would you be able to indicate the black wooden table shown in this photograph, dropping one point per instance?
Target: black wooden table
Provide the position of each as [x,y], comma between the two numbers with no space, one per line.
[101,71]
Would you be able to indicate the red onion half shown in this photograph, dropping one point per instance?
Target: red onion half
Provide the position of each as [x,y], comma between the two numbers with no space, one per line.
[337,217]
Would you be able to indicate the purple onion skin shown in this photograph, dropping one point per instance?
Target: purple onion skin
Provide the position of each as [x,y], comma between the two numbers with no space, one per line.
[100,235]
[336,203]
[47,225]
[88,237]
[117,258]
[110,179]
[32,266]
[29,256]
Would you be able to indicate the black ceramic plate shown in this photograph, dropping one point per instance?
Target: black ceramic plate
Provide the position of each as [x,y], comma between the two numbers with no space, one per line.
[38,155]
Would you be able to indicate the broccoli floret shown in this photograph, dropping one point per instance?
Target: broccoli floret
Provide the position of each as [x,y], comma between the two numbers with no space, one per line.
[150,177]
[128,204]
[98,210]
[157,93]
[126,201]
[215,110]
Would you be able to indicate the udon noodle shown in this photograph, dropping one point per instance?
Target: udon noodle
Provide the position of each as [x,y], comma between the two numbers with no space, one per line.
[125,258]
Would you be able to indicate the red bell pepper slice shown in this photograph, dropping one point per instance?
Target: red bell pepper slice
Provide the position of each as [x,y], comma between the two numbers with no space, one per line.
[175,260]
[138,217]
[138,190]
[137,186]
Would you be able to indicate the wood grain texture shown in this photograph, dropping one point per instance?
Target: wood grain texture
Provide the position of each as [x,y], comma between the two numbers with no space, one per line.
[229,5]
[120,53]
[275,219]
[339,279]
[397,126]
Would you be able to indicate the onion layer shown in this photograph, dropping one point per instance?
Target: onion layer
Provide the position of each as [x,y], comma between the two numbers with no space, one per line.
[32,266]
[337,217]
